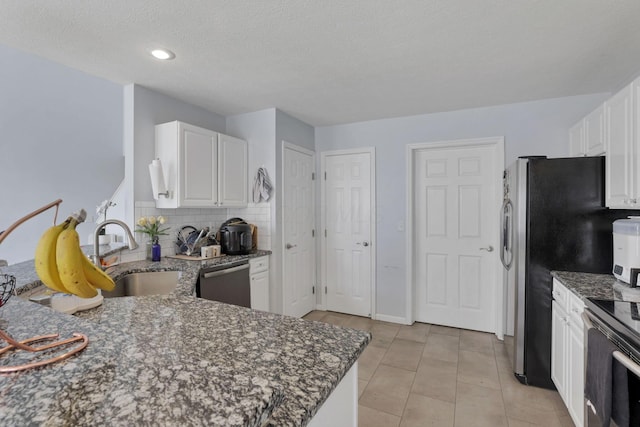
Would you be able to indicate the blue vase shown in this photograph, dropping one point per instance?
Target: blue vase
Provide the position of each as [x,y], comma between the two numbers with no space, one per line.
[155,251]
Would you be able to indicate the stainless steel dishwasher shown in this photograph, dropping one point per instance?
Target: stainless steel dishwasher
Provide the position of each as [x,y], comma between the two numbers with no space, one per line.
[228,283]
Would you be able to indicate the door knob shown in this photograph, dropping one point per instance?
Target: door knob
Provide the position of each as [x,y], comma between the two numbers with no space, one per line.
[365,244]
[289,246]
[488,249]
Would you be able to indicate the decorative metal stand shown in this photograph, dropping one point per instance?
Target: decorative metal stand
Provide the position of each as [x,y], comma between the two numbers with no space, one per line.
[7,286]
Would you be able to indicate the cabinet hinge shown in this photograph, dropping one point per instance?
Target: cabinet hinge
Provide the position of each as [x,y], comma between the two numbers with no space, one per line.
[325,176]
[313,290]
[313,176]
[325,289]
[325,232]
[313,233]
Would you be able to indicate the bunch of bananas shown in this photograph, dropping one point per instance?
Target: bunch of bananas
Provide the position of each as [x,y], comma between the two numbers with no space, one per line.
[63,267]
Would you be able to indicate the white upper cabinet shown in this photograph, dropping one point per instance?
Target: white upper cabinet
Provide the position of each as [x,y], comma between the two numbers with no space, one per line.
[622,147]
[593,133]
[202,168]
[576,140]
[233,177]
[586,138]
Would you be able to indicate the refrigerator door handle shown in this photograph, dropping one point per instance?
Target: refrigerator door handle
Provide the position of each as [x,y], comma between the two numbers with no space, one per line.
[505,231]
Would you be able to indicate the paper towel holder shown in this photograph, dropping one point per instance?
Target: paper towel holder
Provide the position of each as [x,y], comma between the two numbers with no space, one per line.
[158,185]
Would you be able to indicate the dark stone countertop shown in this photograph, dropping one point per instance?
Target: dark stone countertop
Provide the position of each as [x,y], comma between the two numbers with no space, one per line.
[600,286]
[176,360]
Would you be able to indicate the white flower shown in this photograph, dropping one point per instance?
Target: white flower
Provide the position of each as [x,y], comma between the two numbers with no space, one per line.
[161,219]
[142,221]
[151,220]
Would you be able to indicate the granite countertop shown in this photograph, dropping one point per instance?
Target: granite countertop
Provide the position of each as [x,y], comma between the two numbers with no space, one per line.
[176,360]
[600,286]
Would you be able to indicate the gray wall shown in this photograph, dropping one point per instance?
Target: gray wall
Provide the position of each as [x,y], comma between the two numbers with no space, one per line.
[265,130]
[61,138]
[149,109]
[539,127]
[259,130]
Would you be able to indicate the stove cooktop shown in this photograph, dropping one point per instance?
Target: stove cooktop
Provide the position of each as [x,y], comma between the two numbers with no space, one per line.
[621,316]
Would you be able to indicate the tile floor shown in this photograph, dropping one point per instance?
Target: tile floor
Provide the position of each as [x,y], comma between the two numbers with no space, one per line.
[428,375]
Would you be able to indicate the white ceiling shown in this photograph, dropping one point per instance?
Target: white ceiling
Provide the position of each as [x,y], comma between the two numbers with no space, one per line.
[338,61]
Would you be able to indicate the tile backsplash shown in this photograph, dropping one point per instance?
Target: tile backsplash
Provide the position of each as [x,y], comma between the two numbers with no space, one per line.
[257,214]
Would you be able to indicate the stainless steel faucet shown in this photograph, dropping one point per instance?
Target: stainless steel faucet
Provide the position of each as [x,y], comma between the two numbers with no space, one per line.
[96,237]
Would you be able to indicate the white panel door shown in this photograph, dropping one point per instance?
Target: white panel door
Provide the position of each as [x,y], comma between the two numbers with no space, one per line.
[455,220]
[298,223]
[348,228]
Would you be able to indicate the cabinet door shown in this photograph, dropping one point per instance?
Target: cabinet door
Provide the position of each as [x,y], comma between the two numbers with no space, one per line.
[233,184]
[260,291]
[198,168]
[575,382]
[576,146]
[558,349]
[593,132]
[618,135]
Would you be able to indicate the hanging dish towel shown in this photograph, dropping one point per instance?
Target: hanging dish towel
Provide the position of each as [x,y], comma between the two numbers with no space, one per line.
[262,186]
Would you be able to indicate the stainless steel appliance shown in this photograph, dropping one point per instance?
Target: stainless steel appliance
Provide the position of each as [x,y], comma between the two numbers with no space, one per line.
[229,284]
[553,218]
[626,250]
[235,237]
[619,321]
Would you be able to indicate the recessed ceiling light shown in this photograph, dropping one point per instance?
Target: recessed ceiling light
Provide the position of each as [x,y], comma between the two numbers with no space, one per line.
[163,54]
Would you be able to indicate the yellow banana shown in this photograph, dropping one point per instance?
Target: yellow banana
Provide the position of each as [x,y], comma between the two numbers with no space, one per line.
[45,258]
[96,276]
[69,261]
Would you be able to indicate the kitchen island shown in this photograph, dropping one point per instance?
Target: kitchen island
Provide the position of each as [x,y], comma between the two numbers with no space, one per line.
[177,360]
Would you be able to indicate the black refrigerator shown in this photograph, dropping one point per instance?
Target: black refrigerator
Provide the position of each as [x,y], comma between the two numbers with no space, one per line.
[553,218]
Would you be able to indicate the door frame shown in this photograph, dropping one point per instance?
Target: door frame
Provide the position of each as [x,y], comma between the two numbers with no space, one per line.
[289,146]
[497,143]
[372,211]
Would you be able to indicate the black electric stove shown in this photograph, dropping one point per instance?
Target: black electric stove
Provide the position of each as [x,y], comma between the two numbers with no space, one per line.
[620,321]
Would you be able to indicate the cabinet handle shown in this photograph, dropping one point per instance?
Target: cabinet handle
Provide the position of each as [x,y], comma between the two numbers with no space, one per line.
[632,201]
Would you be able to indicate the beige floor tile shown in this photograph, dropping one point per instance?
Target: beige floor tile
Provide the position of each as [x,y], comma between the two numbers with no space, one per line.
[479,406]
[403,354]
[480,342]
[391,404]
[479,369]
[443,347]
[392,381]
[417,332]
[361,323]
[463,377]
[315,315]
[436,379]
[523,411]
[362,384]
[517,423]
[368,417]
[335,319]
[381,341]
[566,421]
[445,330]
[384,329]
[369,361]
[424,411]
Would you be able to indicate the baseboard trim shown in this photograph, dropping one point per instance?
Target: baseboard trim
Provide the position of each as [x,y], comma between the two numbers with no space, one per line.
[392,319]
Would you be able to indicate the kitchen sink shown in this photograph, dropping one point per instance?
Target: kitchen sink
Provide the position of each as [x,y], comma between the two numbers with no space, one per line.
[147,283]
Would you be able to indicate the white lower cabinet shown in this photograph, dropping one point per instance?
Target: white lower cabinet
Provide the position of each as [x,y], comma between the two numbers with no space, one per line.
[259,272]
[567,350]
